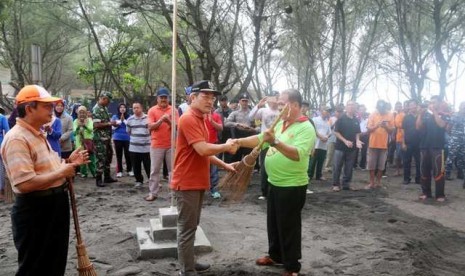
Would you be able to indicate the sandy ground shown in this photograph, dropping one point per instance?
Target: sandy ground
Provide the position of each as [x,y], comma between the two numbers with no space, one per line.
[381,232]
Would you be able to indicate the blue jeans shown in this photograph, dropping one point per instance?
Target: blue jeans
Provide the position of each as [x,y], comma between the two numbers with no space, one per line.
[214,178]
[343,160]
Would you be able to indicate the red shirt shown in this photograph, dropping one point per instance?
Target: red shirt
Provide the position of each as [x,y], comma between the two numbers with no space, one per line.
[161,137]
[212,132]
[191,171]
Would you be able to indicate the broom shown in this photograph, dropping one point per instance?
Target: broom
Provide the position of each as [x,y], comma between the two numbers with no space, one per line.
[234,185]
[9,195]
[85,267]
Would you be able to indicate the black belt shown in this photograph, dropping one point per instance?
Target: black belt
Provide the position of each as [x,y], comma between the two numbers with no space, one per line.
[52,191]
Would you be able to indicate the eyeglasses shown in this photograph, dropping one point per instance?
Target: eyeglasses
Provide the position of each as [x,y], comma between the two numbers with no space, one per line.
[208,98]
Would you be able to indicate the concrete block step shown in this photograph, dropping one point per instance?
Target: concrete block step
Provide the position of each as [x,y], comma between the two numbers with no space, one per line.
[160,233]
[149,248]
[168,216]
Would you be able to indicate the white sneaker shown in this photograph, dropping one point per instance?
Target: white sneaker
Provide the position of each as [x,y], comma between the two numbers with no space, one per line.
[309,192]
[137,185]
[119,175]
[261,198]
[216,195]
[131,173]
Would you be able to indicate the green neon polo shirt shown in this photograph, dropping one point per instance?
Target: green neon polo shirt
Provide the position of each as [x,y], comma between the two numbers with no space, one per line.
[282,171]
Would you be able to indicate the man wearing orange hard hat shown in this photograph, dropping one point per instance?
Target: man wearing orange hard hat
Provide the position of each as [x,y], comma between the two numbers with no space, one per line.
[40,215]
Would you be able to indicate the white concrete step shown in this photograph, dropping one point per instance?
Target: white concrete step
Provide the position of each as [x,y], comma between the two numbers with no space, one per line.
[149,248]
[159,233]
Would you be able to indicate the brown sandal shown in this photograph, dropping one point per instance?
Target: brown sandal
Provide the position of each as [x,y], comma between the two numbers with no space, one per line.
[150,198]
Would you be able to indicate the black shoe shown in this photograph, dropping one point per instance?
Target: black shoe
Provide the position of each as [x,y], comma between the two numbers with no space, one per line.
[109,180]
[460,174]
[406,182]
[98,181]
[200,268]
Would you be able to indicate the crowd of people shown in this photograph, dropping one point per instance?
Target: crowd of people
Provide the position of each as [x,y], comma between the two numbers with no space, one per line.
[48,146]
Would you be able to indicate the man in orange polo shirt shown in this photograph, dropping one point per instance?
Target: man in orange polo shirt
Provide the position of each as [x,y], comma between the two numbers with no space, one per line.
[40,215]
[191,174]
[159,125]
[380,125]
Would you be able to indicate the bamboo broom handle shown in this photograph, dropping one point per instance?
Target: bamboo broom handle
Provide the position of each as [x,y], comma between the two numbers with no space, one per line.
[74,210]
[275,122]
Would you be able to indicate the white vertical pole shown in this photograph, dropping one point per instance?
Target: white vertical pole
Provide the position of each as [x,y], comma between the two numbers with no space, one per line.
[173,90]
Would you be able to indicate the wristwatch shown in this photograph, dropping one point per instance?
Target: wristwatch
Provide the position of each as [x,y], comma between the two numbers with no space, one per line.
[275,142]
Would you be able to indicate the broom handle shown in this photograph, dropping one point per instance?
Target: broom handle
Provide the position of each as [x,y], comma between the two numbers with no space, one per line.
[273,125]
[74,209]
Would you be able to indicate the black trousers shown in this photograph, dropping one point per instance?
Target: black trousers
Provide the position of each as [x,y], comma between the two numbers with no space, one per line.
[41,234]
[363,151]
[138,158]
[409,153]
[316,162]
[120,148]
[284,225]
[432,168]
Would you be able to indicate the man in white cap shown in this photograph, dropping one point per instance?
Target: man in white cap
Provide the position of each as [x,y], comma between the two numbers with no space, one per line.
[40,215]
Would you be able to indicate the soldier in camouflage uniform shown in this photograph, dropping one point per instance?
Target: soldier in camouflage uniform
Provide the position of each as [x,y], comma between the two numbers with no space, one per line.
[457,142]
[102,139]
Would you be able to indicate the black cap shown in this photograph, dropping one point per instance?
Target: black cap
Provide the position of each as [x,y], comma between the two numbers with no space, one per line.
[204,86]
[244,96]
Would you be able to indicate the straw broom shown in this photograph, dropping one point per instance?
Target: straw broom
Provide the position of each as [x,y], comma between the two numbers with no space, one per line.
[234,185]
[9,195]
[85,267]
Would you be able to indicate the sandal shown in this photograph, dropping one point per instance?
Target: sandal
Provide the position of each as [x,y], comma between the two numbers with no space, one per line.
[336,189]
[150,198]
[440,199]
[423,197]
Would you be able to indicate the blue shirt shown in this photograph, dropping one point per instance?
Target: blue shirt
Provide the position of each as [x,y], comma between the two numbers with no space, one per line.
[53,136]
[4,127]
[119,132]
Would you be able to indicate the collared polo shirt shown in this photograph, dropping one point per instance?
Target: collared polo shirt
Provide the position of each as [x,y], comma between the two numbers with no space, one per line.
[191,171]
[26,153]
[160,137]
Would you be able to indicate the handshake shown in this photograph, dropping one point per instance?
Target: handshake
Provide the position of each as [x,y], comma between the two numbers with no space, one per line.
[232,145]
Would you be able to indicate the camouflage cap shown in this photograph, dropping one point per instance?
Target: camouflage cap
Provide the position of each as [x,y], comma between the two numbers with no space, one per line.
[107,94]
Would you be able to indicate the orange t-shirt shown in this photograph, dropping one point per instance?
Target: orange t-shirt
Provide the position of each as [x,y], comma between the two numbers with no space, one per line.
[191,171]
[160,137]
[398,123]
[379,137]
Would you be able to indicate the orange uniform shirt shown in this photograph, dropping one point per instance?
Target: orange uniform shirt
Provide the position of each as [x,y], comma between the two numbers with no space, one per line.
[379,137]
[399,119]
[191,171]
[160,137]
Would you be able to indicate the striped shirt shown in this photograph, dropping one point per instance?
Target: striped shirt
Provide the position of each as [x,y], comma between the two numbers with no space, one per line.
[139,135]
[26,153]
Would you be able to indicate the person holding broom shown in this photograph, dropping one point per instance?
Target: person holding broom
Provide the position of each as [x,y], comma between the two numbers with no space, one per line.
[191,174]
[40,216]
[286,163]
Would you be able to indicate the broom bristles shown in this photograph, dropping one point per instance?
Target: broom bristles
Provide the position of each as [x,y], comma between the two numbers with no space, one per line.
[9,195]
[234,185]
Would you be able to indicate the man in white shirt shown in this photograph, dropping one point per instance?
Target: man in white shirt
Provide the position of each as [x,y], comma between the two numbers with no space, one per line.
[266,115]
[323,132]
